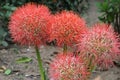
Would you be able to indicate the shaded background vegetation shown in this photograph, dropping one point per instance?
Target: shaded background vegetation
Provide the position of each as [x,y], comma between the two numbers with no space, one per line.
[110,13]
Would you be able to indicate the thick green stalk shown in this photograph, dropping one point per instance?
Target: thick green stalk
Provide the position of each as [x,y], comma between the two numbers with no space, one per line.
[41,69]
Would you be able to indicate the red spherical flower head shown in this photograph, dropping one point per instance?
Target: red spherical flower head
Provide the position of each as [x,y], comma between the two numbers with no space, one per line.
[101,44]
[66,28]
[68,67]
[27,24]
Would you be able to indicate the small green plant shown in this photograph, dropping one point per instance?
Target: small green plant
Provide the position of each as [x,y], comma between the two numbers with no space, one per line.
[110,10]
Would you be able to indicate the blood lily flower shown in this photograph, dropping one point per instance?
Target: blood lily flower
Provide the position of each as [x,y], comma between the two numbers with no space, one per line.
[27,24]
[66,27]
[100,45]
[68,67]
[27,27]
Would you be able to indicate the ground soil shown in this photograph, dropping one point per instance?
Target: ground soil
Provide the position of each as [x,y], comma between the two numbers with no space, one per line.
[29,71]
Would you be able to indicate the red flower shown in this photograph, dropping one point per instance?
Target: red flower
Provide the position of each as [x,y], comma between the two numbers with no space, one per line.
[66,27]
[101,45]
[27,24]
[68,67]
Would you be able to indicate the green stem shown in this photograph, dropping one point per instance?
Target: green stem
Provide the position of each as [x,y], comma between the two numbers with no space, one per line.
[41,69]
[65,49]
[91,64]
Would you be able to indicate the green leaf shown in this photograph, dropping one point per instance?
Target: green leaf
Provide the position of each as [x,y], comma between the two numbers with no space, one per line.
[7,71]
[110,10]
[98,4]
[8,7]
[1,14]
[105,6]
[4,43]
[23,60]
[2,31]
[8,13]
[13,8]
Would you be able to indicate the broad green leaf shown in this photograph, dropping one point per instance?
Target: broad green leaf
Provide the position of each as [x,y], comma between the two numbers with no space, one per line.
[2,31]
[6,6]
[105,6]
[1,14]
[9,7]
[13,8]
[7,71]
[8,13]
[4,43]
[23,60]
[110,10]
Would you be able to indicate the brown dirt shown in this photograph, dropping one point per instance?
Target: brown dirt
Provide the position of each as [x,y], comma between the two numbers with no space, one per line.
[24,71]
[29,71]
[92,13]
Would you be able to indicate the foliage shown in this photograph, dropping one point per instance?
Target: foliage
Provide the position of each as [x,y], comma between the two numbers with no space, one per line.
[78,6]
[5,12]
[3,34]
[110,10]
[55,5]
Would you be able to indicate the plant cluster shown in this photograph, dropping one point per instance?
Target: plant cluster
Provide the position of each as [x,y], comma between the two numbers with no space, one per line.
[110,13]
[33,24]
